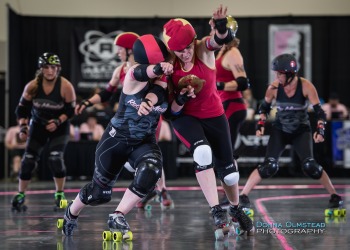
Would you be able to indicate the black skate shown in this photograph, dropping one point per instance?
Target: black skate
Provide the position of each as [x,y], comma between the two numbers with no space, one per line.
[245,224]
[220,219]
[335,207]
[165,200]
[67,224]
[245,204]
[145,202]
[18,203]
[119,228]
[60,201]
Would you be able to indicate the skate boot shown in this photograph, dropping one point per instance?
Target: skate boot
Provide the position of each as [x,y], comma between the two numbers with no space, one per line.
[245,224]
[18,202]
[69,223]
[145,202]
[119,228]
[60,200]
[220,219]
[165,200]
[245,204]
[335,207]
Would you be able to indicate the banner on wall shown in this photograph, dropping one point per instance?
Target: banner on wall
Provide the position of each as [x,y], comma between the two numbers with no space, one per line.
[96,59]
[292,39]
[341,143]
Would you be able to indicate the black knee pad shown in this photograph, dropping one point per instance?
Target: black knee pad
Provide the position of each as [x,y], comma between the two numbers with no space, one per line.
[311,168]
[147,174]
[56,164]
[228,174]
[29,162]
[92,194]
[268,168]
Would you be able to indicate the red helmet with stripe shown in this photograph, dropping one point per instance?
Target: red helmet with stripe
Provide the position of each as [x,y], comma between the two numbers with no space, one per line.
[178,33]
[126,39]
[149,49]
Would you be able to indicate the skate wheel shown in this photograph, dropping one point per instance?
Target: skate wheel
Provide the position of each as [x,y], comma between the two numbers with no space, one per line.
[128,236]
[117,236]
[343,212]
[328,212]
[148,207]
[63,203]
[249,212]
[60,223]
[219,234]
[107,235]
[336,212]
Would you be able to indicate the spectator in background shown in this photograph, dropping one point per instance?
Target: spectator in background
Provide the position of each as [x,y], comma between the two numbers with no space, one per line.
[248,96]
[334,109]
[16,148]
[92,128]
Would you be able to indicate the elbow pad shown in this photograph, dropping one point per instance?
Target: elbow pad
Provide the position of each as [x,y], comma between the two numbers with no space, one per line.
[24,108]
[242,83]
[159,92]
[69,109]
[140,73]
[265,108]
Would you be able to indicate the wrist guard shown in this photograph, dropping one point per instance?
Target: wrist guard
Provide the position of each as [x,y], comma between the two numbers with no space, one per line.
[220,25]
[57,122]
[86,103]
[182,99]
[157,70]
[320,129]
[220,85]
[260,125]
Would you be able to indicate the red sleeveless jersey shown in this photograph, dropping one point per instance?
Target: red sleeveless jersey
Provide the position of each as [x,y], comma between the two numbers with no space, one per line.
[225,75]
[207,103]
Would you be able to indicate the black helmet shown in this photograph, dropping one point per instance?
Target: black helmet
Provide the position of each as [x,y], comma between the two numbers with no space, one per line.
[285,63]
[48,59]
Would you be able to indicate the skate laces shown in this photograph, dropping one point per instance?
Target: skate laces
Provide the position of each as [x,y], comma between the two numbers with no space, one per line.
[119,220]
[243,219]
[219,215]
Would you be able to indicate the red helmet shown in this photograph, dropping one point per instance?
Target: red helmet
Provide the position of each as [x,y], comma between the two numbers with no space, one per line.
[149,49]
[126,39]
[178,33]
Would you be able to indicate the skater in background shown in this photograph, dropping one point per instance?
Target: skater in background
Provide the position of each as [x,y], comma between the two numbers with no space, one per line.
[231,80]
[16,147]
[49,101]
[129,137]
[124,42]
[291,126]
[200,122]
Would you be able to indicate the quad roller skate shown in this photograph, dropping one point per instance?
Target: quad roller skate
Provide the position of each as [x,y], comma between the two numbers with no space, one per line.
[242,221]
[245,204]
[165,200]
[18,203]
[222,226]
[60,201]
[335,207]
[68,224]
[145,202]
[119,229]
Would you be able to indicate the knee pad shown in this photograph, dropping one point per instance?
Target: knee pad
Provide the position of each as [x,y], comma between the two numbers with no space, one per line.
[312,169]
[203,158]
[228,174]
[92,194]
[29,162]
[56,164]
[268,168]
[147,174]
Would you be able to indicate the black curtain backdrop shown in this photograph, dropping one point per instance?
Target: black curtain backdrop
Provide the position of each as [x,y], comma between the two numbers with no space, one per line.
[30,36]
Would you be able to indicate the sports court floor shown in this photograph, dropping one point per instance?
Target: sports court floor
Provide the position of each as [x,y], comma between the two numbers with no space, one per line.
[289,214]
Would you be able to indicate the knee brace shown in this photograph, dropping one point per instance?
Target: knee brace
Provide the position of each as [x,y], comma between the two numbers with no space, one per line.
[228,174]
[268,168]
[56,163]
[147,174]
[312,169]
[29,162]
[202,157]
[92,194]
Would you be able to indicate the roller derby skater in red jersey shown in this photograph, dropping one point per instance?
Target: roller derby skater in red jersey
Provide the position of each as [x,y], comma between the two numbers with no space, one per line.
[129,137]
[291,126]
[200,122]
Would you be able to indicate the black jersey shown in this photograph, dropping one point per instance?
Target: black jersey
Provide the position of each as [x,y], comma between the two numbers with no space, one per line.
[292,116]
[128,124]
[46,107]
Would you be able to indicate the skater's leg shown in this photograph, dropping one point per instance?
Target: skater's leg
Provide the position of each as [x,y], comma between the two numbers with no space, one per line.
[326,182]
[128,201]
[59,183]
[207,182]
[77,206]
[252,181]
[231,193]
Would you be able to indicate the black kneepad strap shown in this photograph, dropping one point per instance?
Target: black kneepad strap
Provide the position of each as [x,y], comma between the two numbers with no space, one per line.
[268,168]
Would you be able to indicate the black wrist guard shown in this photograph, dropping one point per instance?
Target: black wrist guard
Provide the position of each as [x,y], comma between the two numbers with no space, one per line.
[86,103]
[57,122]
[220,85]
[220,25]
[320,129]
[182,99]
[260,124]
[157,70]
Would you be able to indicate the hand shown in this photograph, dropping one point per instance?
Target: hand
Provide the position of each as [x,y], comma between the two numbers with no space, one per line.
[185,95]
[23,132]
[82,106]
[145,107]
[220,12]
[318,138]
[167,68]
[53,124]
